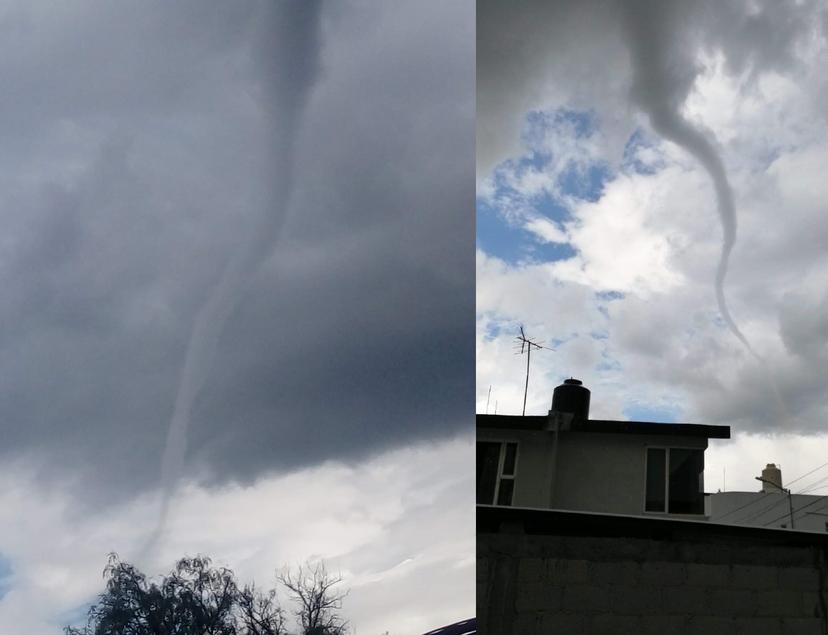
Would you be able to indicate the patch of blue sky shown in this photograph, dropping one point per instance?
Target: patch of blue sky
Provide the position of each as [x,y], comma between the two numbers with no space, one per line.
[609,296]
[609,366]
[649,412]
[582,123]
[502,215]
[509,241]
[635,148]
[492,331]
[550,207]
[585,183]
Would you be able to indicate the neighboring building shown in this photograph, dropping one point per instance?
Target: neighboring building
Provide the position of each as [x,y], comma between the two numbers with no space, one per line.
[566,460]
[772,507]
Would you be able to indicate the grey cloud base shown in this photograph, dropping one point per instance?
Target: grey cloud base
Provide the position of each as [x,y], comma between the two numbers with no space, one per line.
[126,192]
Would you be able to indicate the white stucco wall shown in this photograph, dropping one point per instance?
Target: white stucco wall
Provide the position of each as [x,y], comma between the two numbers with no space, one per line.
[599,472]
[771,510]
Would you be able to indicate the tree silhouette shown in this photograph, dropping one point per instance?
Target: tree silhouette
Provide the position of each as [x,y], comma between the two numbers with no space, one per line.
[312,587]
[198,599]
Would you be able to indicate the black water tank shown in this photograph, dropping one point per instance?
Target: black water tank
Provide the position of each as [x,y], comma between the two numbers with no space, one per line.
[572,397]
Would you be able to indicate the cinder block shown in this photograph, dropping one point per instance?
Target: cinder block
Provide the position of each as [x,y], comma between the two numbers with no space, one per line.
[754,577]
[568,572]
[482,569]
[528,624]
[664,573]
[732,602]
[686,600]
[664,625]
[615,573]
[582,598]
[614,625]
[635,600]
[798,578]
[801,626]
[759,626]
[554,623]
[711,625]
[779,602]
[810,604]
[537,596]
[531,569]
[708,575]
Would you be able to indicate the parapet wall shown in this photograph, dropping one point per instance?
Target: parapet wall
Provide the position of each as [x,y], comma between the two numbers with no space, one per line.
[542,572]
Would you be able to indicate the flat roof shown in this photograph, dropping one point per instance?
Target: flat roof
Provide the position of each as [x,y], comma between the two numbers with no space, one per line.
[493,519]
[538,422]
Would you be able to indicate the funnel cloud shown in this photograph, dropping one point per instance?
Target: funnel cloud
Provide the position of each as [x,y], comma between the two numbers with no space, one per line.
[662,80]
[292,28]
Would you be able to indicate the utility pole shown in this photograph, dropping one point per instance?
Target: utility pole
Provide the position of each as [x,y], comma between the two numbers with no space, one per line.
[787,491]
[526,345]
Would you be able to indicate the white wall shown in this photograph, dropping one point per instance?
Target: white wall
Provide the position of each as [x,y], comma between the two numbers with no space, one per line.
[598,472]
[771,510]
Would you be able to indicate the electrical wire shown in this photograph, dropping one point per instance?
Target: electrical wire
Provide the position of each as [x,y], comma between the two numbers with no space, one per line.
[797,509]
[753,502]
[806,474]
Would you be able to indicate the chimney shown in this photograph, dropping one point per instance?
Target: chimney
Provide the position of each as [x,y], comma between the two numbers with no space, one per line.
[774,475]
[572,398]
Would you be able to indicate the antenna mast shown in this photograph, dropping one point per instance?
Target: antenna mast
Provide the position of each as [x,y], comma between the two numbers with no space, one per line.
[526,345]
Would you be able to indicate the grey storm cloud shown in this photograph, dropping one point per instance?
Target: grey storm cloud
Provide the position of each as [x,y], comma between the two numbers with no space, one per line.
[143,144]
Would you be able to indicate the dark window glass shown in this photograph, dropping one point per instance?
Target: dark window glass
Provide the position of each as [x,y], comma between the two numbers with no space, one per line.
[686,468]
[488,458]
[656,470]
[509,460]
[504,494]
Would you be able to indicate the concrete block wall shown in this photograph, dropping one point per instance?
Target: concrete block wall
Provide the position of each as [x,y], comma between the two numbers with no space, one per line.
[544,584]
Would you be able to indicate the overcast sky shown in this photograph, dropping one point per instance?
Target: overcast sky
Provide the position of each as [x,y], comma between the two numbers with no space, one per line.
[610,138]
[258,216]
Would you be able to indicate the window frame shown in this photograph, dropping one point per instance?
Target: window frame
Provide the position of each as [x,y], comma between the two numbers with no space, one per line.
[667,449]
[501,461]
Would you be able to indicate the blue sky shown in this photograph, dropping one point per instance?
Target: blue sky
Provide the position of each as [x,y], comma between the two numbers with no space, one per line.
[506,208]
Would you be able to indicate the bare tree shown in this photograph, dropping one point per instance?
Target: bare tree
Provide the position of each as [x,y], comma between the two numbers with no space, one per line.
[259,613]
[319,603]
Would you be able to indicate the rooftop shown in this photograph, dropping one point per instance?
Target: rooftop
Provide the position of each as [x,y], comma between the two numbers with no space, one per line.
[539,422]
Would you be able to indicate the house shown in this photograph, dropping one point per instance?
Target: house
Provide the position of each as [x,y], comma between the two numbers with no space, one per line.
[565,460]
[773,506]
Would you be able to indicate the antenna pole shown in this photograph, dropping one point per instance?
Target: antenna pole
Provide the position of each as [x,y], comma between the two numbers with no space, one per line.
[526,387]
[526,345]
[489,396]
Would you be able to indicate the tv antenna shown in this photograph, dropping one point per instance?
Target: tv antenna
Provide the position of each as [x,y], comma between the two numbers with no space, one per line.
[526,345]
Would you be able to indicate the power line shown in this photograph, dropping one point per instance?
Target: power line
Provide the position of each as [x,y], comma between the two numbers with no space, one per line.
[814,485]
[821,498]
[748,504]
[806,474]
[764,510]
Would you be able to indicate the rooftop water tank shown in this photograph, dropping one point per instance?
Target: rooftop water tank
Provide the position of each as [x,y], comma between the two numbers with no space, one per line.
[571,397]
[774,475]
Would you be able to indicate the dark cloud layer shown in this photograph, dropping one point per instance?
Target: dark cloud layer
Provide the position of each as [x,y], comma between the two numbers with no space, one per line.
[137,148]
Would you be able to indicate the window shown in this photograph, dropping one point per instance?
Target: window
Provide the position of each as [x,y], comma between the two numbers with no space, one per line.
[496,467]
[674,481]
